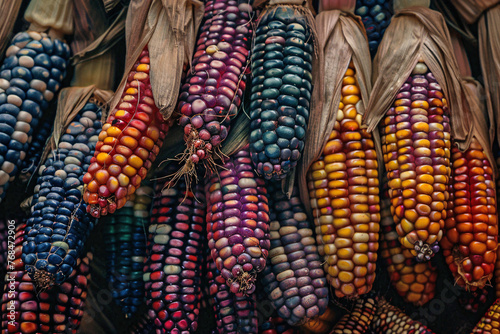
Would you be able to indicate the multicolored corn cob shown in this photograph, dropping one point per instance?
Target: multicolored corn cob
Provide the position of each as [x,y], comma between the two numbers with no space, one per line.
[359,319]
[212,94]
[281,91]
[343,188]
[471,301]
[293,278]
[320,325]
[276,325]
[416,144]
[415,282]
[4,235]
[30,76]
[59,225]
[128,144]
[391,320]
[490,322]
[471,228]
[125,235]
[56,310]
[238,222]
[497,262]
[173,266]
[376,16]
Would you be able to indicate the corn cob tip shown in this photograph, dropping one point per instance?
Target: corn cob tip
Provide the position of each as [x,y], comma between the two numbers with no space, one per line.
[41,278]
[425,251]
[243,284]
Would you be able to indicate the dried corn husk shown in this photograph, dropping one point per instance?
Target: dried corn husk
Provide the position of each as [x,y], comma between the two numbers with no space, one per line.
[489,55]
[9,9]
[343,5]
[50,14]
[341,38]
[169,28]
[401,4]
[471,10]
[418,33]
[460,54]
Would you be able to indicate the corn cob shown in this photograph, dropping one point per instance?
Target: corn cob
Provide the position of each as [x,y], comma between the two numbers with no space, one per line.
[293,278]
[343,187]
[320,325]
[212,94]
[276,325]
[389,319]
[4,235]
[173,266]
[237,222]
[471,301]
[128,144]
[415,282]
[30,76]
[490,322]
[471,233]
[59,226]
[359,319]
[126,249]
[56,310]
[376,16]
[416,144]
[281,91]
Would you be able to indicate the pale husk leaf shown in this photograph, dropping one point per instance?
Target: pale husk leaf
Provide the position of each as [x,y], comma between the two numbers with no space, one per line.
[471,10]
[9,9]
[46,14]
[341,38]
[415,33]
[489,55]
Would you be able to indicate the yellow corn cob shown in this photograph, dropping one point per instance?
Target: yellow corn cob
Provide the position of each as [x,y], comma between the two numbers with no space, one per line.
[343,187]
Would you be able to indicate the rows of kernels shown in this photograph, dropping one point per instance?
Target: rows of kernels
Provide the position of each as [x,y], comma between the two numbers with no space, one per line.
[376,16]
[128,144]
[497,262]
[293,278]
[172,270]
[320,325]
[344,194]
[490,322]
[276,325]
[359,319]
[213,91]
[281,91]
[416,148]
[59,226]
[237,222]
[30,76]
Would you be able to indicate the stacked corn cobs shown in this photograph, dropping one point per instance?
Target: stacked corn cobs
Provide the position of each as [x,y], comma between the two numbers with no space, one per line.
[281,91]
[343,187]
[30,76]
[128,144]
[59,225]
[416,144]
[56,310]
[212,94]
[125,235]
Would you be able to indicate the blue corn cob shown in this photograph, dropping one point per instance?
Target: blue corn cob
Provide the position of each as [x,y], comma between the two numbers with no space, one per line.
[173,266]
[376,16]
[126,248]
[30,76]
[281,91]
[59,225]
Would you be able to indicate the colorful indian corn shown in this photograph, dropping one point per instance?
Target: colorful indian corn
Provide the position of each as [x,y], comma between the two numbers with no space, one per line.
[128,144]
[58,309]
[359,319]
[490,322]
[293,278]
[214,88]
[281,90]
[471,227]
[416,144]
[238,222]
[415,282]
[320,325]
[376,16]
[344,194]
[173,266]
[125,235]
[59,225]
[30,76]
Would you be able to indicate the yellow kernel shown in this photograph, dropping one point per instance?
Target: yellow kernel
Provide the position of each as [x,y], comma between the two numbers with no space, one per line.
[143,68]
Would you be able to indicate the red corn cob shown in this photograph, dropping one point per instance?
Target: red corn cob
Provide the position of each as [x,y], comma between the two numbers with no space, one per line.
[276,325]
[237,222]
[128,144]
[471,301]
[360,318]
[471,232]
[490,322]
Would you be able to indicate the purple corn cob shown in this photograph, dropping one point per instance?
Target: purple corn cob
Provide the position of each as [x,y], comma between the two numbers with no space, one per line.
[212,94]
[173,267]
[293,278]
[237,222]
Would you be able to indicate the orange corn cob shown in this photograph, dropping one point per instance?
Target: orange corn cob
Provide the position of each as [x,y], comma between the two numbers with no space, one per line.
[415,282]
[497,262]
[416,147]
[343,187]
[471,234]
[359,319]
[490,322]
[128,144]
[321,324]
